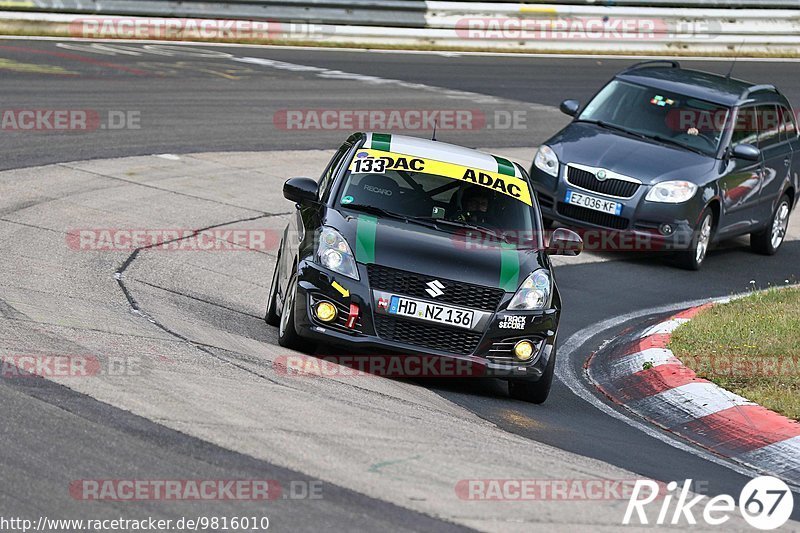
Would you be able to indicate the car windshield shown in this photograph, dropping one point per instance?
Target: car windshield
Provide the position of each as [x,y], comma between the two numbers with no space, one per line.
[664,116]
[430,191]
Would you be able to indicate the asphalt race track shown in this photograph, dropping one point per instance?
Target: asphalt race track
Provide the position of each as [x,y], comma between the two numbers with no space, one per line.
[194,104]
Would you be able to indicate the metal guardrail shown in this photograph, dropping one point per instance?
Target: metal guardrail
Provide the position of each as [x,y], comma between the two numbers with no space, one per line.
[396,13]
[575,27]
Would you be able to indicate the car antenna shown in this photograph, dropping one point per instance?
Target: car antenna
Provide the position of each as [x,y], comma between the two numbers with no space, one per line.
[433,137]
[733,63]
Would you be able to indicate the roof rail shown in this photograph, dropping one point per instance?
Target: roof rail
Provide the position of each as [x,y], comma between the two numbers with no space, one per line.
[640,64]
[757,88]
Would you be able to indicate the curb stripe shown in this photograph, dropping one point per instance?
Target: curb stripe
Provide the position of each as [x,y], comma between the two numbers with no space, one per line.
[692,312]
[653,342]
[653,381]
[366,228]
[665,327]
[739,430]
[671,396]
[780,457]
[634,363]
[689,402]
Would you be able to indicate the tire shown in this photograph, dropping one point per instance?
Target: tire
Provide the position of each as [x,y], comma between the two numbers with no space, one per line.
[769,240]
[534,391]
[287,334]
[271,317]
[693,258]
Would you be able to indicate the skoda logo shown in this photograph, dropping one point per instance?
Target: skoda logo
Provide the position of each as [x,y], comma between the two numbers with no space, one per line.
[601,175]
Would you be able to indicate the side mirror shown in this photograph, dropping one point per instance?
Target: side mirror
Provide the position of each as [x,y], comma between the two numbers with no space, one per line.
[301,190]
[564,242]
[747,152]
[570,107]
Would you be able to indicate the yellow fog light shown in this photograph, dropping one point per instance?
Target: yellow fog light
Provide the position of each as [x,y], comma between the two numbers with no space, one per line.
[326,311]
[523,350]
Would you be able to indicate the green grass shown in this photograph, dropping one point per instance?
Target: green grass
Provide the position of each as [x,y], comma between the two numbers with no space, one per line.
[750,346]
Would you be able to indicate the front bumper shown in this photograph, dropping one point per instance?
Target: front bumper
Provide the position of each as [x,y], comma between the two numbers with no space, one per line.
[642,226]
[484,352]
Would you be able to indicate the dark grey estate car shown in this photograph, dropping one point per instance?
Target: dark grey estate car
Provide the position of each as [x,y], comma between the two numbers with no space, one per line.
[679,157]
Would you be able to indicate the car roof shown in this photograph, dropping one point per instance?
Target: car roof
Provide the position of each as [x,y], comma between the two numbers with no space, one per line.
[440,151]
[707,86]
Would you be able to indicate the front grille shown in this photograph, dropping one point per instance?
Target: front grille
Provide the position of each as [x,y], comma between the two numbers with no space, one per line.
[612,187]
[427,335]
[592,217]
[455,292]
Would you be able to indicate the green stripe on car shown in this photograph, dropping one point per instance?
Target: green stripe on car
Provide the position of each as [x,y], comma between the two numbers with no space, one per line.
[509,267]
[381,141]
[366,227]
[504,166]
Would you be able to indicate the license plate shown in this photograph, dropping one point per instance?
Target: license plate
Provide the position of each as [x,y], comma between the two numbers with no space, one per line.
[442,314]
[596,204]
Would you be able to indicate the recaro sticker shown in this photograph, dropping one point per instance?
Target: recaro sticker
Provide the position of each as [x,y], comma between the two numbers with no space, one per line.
[504,184]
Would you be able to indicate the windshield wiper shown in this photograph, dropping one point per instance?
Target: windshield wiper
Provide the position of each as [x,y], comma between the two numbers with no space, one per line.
[667,140]
[609,126]
[391,214]
[467,225]
[375,210]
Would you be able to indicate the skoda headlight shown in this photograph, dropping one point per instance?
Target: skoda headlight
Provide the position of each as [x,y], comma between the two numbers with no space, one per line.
[534,293]
[546,160]
[671,192]
[334,253]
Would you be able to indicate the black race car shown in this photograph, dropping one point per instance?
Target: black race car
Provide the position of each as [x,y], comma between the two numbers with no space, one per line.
[413,247]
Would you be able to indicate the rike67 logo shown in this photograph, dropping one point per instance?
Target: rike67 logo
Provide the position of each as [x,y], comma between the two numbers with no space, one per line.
[766,503]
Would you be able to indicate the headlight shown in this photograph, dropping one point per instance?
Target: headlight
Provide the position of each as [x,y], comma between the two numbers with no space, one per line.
[334,253]
[534,293]
[671,192]
[546,160]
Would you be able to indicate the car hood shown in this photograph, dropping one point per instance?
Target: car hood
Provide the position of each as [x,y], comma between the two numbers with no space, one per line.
[459,256]
[646,161]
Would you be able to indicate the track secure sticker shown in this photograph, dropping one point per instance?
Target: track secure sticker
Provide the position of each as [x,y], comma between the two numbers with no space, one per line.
[496,181]
[512,322]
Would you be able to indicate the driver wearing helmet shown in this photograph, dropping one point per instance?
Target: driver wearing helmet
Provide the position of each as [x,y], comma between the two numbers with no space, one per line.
[475,203]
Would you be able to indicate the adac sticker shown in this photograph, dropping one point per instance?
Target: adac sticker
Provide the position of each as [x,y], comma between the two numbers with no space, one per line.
[504,184]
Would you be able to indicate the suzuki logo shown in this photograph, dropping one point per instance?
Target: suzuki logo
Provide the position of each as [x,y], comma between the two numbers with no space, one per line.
[435,288]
